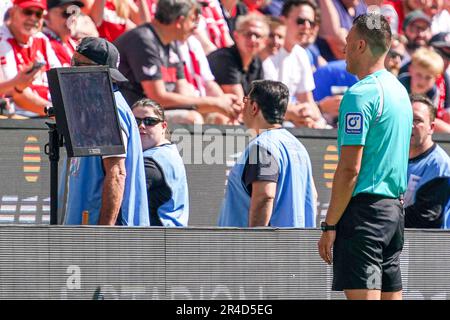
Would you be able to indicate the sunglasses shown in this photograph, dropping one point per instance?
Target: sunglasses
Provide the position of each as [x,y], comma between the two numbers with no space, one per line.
[28,12]
[65,14]
[302,21]
[149,121]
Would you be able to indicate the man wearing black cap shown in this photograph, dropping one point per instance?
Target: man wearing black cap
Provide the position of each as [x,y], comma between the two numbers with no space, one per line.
[117,183]
[58,28]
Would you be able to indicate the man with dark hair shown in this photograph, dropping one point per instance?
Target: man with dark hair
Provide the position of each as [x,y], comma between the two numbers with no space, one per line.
[417,29]
[365,218]
[155,69]
[112,188]
[291,64]
[272,183]
[427,199]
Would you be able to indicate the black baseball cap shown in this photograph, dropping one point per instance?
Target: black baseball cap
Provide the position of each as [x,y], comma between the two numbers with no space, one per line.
[58,3]
[441,43]
[103,53]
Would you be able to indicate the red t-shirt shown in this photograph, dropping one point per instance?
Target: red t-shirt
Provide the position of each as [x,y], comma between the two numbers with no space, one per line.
[398,6]
[113,25]
[63,50]
[14,56]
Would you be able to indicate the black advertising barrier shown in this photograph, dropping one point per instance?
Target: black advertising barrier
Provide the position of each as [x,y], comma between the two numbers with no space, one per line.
[209,152]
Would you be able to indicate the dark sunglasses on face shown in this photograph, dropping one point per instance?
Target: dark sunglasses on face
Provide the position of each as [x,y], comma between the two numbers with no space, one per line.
[148,121]
[65,14]
[302,21]
[28,12]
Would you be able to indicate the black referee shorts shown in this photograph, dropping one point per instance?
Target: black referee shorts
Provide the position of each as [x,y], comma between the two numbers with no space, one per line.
[369,240]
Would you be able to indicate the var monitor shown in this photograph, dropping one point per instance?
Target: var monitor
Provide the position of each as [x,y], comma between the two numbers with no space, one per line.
[85,110]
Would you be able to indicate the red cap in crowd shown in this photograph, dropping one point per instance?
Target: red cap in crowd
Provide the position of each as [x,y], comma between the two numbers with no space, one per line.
[31,3]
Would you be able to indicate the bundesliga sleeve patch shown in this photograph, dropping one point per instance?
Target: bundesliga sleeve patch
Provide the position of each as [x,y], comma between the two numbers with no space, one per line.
[353,123]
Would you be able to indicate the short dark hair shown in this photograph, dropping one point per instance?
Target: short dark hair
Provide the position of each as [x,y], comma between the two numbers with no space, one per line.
[375,30]
[272,98]
[426,101]
[167,11]
[287,6]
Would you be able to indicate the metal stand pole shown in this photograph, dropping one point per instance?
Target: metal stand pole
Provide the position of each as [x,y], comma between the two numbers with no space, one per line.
[55,141]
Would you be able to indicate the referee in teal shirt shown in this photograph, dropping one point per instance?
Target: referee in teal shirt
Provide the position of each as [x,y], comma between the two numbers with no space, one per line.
[365,218]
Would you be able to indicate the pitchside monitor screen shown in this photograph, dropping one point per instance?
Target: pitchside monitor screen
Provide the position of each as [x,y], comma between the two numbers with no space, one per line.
[85,110]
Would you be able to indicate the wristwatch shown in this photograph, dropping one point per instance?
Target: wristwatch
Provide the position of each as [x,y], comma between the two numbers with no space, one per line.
[326,227]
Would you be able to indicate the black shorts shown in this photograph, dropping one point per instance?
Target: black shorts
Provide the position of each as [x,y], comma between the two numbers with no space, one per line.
[369,240]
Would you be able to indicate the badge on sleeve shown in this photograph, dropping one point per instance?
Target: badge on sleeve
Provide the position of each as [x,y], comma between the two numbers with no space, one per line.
[353,123]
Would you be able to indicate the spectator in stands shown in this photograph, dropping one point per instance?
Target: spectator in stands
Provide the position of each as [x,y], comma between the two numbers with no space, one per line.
[396,54]
[427,199]
[167,188]
[236,67]
[417,28]
[272,184]
[4,8]
[308,37]
[292,67]
[364,220]
[275,40]
[402,8]
[114,17]
[155,69]
[231,10]
[111,188]
[337,17]
[441,44]
[212,30]
[21,44]
[196,68]
[440,17]
[58,30]
[426,66]
[22,80]
[333,80]
[255,6]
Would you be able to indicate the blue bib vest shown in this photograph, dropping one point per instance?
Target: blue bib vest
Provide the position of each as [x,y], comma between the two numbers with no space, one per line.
[175,212]
[86,176]
[294,204]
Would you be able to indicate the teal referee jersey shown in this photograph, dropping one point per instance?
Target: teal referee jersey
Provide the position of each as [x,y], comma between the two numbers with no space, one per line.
[376,113]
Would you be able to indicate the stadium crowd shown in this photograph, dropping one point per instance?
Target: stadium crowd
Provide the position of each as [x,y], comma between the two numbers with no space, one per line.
[199,71]
[198,65]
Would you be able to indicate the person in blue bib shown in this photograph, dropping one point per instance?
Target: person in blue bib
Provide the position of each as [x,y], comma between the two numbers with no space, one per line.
[167,188]
[272,183]
[427,199]
[111,188]
[365,217]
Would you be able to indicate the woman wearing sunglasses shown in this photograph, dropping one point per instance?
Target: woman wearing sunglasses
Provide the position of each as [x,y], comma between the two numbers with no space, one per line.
[167,188]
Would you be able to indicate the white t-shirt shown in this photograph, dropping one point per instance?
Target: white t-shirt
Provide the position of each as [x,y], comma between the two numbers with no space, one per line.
[4,6]
[441,22]
[292,68]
